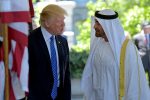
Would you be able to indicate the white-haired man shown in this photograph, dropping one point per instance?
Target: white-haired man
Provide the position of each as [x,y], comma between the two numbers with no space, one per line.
[114,70]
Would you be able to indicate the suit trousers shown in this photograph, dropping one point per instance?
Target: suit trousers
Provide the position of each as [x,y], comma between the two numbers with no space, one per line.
[59,95]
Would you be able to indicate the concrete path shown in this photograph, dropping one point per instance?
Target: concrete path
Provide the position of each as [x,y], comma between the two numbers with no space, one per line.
[76,89]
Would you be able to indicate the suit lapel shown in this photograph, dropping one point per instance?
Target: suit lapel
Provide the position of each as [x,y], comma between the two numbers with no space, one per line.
[43,50]
[61,55]
[43,46]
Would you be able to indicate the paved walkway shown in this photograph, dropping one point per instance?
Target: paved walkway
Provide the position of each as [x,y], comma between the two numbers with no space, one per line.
[76,90]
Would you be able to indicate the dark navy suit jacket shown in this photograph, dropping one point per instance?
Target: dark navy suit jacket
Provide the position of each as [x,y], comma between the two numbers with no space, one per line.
[40,71]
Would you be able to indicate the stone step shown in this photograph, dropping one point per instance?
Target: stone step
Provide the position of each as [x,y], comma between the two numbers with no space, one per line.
[76,86]
[76,89]
[77,97]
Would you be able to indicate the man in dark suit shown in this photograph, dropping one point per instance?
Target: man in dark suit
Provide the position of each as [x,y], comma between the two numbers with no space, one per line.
[142,41]
[46,81]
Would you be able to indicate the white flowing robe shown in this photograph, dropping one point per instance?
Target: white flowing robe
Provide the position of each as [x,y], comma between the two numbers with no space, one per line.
[100,79]
[105,73]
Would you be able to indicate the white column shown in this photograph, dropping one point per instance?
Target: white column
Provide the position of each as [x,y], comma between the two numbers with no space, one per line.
[68,6]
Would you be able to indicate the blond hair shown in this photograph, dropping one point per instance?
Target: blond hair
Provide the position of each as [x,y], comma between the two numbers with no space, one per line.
[50,11]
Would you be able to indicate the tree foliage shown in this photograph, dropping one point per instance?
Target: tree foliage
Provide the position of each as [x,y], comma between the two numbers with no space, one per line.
[131,14]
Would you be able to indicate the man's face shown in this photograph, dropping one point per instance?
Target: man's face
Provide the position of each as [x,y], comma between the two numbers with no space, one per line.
[99,32]
[56,25]
[146,29]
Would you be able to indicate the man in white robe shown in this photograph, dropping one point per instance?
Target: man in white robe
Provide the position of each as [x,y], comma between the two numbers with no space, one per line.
[100,80]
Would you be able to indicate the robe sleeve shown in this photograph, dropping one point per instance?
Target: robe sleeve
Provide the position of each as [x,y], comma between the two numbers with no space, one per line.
[136,85]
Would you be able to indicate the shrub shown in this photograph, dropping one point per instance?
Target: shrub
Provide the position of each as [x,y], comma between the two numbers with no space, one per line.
[78,59]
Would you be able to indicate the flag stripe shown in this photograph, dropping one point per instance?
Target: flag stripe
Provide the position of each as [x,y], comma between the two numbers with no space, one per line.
[11,5]
[2,79]
[18,36]
[11,92]
[22,16]
[24,71]
[22,42]
[31,8]
[16,13]
[22,27]
[2,53]
[16,86]
[17,59]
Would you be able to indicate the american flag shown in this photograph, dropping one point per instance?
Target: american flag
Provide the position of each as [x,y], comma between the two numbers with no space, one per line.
[16,13]
[2,73]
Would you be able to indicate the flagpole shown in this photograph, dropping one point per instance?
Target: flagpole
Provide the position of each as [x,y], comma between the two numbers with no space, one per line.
[5,36]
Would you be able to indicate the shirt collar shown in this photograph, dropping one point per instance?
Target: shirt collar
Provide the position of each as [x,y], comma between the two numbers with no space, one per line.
[46,34]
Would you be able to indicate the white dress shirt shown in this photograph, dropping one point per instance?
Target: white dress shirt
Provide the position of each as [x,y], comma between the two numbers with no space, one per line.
[47,36]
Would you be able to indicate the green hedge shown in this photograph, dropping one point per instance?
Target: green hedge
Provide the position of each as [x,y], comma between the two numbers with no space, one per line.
[78,59]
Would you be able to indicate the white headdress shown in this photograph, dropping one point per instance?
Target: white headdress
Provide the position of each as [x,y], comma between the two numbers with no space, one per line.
[113,29]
